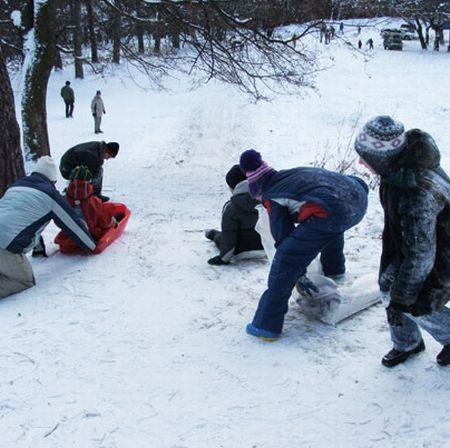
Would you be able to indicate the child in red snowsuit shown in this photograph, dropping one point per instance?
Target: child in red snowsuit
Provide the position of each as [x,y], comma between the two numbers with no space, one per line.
[96,214]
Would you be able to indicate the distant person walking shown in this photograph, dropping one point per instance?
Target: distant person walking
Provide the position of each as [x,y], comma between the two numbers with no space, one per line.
[370,43]
[341,27]
[359,44]
[68,96]
[98,109]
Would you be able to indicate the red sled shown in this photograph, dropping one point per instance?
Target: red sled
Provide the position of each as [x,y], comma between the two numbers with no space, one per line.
[122,214]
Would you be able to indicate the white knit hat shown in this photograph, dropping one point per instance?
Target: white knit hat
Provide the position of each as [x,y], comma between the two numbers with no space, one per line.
[46,166]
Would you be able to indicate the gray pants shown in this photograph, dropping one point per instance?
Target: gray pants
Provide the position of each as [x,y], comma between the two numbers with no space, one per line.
[408,335]
[97,123]
[16,273]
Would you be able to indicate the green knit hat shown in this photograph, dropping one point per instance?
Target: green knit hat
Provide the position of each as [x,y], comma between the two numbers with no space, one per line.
[81,172]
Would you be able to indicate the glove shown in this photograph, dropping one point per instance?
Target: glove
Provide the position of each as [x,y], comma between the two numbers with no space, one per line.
[387,278]
[305,286]
[39,250]
[93,115]
[394,314]
[217,261]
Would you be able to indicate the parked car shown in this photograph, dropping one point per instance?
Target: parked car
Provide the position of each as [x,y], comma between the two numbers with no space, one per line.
[408,31]
[404,31]
[392,40]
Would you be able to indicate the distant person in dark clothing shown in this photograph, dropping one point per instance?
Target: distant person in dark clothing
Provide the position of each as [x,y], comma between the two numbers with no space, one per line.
[370,43]
[92,155]
[239,218]
[359,44]
[68,96]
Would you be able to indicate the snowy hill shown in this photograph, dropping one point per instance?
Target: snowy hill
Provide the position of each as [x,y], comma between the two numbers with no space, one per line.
[144,345]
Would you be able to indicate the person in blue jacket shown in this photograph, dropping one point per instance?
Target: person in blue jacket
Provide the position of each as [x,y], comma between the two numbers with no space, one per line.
[26,208]
[309,210]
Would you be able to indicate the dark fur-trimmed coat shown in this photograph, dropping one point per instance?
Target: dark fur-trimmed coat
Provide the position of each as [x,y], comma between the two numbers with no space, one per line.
[415,195]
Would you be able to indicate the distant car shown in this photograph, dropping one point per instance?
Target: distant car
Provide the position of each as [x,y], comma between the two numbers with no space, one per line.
[392,40]
[408,31]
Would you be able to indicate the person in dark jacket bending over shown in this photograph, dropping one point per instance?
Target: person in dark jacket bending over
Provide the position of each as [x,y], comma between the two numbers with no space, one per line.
[239,218]
[92,155]
[414,274]
[309,211]
[26,208]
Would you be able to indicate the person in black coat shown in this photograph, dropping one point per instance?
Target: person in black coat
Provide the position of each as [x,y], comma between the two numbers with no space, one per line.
[92,155]
[239,218]
[414,272]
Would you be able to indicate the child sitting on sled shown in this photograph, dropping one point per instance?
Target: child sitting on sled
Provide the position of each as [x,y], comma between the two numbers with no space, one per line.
[97,215]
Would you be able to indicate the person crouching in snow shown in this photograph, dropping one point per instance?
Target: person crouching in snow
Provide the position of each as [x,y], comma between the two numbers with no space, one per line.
[239,218]
[309,211]
[80,195]
[414,274]
[26,208]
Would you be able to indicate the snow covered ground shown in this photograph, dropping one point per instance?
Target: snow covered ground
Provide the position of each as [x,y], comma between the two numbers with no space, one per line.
[144,345]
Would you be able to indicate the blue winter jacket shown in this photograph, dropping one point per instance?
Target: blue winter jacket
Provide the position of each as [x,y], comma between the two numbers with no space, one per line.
[28,206]
[344,198]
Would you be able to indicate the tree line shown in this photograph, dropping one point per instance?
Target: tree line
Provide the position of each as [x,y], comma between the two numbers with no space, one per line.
[229,40]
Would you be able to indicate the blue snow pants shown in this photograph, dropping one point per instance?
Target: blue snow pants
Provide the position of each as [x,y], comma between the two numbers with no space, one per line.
[293,256]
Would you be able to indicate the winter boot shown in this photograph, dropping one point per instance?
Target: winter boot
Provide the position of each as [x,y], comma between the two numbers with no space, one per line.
[210,234]
[306,287]
[443,358]
[395,357]
[103,198]
[264,335]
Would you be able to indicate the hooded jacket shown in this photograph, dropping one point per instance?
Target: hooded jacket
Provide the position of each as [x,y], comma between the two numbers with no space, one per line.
[239,218]
[26,209]
[415,195]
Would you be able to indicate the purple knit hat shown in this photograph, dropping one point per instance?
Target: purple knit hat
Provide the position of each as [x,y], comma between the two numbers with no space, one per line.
[256,170]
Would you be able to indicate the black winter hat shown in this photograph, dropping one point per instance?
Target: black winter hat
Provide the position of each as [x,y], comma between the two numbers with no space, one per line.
[234,176]
[113,148]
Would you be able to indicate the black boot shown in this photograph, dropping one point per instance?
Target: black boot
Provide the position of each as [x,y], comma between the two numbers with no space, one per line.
[443,358]
[395,357]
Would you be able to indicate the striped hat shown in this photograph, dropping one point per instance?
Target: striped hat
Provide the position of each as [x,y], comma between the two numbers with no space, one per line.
[256,170]
[380,140]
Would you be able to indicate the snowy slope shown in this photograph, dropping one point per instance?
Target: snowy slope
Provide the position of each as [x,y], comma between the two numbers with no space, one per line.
[144,345]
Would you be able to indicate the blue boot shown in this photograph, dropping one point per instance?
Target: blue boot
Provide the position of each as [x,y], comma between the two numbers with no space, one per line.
[265,335]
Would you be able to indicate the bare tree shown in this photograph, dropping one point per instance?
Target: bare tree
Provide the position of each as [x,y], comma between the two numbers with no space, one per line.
[11,161]
[91,29]
[249,57]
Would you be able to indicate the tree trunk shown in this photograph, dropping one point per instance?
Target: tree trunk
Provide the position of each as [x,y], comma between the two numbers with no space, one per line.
[139,29]
[77,39]
[423,42]
[11,161]
[116,23]
[92,37]
[40,48]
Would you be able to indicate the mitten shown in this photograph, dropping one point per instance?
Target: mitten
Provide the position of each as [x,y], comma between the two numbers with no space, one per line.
[217,261]
[387,278]
[305,286]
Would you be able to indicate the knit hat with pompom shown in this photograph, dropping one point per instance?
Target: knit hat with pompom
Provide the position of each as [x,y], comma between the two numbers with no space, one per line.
[257,171]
